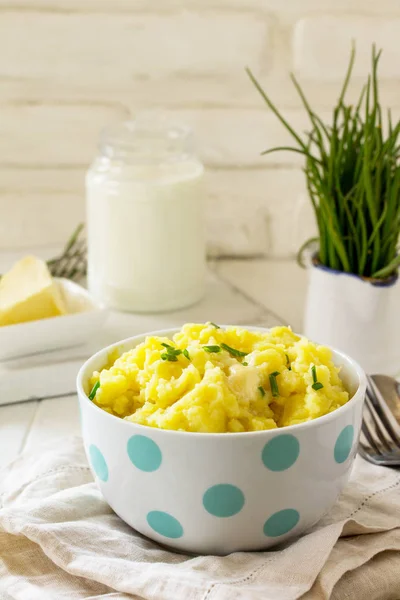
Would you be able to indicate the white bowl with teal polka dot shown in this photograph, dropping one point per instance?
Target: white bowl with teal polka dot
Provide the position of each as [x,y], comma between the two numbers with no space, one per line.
[221,493]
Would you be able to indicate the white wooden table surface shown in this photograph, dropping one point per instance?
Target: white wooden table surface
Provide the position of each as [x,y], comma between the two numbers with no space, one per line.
[248,292]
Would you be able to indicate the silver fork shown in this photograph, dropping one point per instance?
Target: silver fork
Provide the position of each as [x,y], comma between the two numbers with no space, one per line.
[380,432]
[71,264]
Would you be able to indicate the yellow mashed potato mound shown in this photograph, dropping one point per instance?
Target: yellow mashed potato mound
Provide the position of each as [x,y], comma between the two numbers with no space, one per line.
[218,380]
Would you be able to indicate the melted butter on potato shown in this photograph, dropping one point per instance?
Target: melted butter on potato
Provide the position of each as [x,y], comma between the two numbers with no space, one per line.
[244,382]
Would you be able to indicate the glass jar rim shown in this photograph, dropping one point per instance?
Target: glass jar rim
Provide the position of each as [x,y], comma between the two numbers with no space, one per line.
[151,137]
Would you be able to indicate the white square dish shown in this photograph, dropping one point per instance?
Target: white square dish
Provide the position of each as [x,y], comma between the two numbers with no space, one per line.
[85,317]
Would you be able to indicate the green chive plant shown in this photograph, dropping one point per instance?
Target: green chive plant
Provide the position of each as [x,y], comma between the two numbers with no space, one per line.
[353,179]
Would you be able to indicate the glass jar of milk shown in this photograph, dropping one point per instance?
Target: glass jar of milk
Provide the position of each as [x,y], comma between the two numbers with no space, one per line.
[145,217]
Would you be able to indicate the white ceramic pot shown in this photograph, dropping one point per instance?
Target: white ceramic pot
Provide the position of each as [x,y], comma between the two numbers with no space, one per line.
[359,317]
[220,493]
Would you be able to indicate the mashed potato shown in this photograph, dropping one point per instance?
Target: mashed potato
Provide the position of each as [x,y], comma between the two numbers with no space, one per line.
[216,380]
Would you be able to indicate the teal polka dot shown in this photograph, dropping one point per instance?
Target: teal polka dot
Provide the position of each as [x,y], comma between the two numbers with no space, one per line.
[281,522]
[144,453]
[343,444]
[98,463]
[164,524]
[223,500]
[281,452]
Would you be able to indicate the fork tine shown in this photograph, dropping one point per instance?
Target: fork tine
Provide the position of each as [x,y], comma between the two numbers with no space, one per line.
[67,263]
[381,409]
[379,428]
[365,452]
[369,437]
[380,460]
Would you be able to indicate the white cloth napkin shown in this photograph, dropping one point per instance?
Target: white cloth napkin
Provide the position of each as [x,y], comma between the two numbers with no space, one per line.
[60,541]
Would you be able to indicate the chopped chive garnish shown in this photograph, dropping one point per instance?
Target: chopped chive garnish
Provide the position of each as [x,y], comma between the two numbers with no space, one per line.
[244,363]
[215,325]
[261,390]
[314,373]
[170,357]
[212,348]
[186,353]
[171,351]
[317,385]
[233,351]
[94,390]
[273,383]
[289,366]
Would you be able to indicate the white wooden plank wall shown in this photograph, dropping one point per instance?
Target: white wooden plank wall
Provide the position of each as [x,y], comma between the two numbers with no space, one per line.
[68,67]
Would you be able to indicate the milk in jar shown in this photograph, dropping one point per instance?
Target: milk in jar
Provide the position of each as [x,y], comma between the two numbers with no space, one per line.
[145,217]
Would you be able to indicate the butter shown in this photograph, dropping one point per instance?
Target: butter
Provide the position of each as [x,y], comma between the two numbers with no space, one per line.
[28,293]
